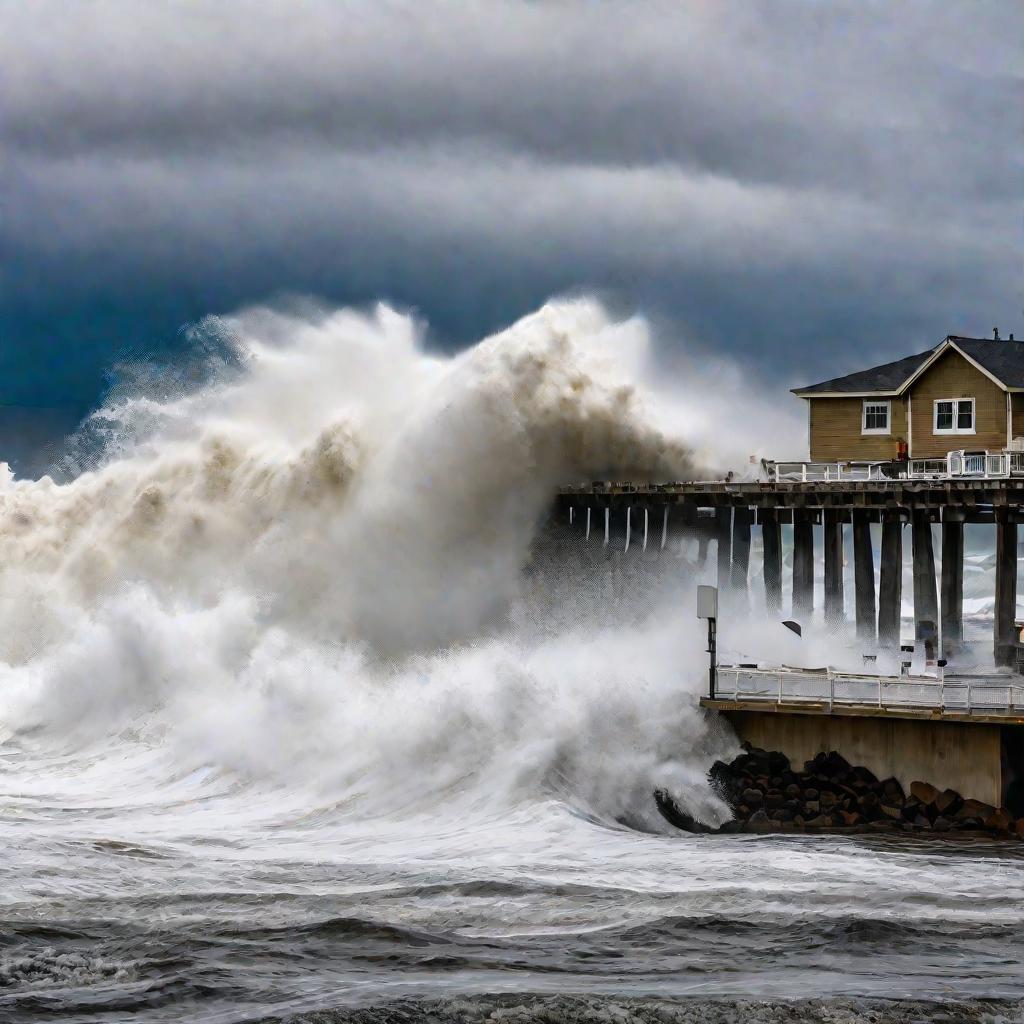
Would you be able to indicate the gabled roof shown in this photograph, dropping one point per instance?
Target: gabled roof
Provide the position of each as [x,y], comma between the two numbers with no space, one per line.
[1002,361]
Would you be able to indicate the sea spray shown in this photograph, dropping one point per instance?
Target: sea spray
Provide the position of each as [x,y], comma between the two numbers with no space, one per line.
[310,571]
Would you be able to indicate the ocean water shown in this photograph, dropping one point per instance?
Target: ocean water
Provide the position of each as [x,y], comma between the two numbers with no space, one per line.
[308,713]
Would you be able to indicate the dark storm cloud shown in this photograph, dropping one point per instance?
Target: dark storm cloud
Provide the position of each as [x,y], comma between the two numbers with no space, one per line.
[804,185]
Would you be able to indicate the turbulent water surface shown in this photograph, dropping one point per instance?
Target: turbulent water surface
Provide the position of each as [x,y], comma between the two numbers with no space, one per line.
[303,716]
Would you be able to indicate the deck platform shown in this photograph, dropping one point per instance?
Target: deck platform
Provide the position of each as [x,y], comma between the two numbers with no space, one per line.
[973,500]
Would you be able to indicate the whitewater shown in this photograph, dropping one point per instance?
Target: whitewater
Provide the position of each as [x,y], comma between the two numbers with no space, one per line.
[309,710]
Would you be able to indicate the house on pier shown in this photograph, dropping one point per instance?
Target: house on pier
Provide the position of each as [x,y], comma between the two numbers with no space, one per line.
[965,394]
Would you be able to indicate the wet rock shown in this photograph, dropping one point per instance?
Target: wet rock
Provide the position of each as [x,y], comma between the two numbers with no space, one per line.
[863,777]
[923,792]
[892,791]
[911,810]
[948,802]
[836,765]
[870,807]
[975,809]
[767,795]
[1000,821]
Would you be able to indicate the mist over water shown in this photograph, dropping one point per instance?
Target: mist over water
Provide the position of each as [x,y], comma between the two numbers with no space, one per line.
[306,705]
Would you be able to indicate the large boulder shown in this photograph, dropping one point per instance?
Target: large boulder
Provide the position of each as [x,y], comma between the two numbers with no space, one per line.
[892,791]
[975,809]
[1000,821]
[948,802]
[923,792]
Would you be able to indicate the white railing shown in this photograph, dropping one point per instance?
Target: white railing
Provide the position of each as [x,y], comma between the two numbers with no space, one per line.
[928,469]
[956,465]
[964,694]
[965,464]
[804,471]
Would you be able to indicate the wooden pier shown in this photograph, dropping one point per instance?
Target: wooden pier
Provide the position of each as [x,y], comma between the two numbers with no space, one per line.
[727,511]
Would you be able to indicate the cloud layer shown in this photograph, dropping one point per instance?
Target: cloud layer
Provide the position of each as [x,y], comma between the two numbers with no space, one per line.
[803,186]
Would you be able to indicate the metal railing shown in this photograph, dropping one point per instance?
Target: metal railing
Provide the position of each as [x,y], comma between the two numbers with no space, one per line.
[803,471]
[963,694]
[962,464]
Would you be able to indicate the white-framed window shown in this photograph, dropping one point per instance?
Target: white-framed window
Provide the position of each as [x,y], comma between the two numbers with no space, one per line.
[875,418]
[953,416]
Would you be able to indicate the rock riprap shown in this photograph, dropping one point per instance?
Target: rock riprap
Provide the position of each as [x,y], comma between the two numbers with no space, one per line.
[829,794]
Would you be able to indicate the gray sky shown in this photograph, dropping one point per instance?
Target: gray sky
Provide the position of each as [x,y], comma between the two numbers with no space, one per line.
[808,187]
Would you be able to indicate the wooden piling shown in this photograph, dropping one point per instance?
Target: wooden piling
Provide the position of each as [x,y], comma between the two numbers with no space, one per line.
[864,577]
[926,598]
[1006,588]
[952,585]
[723,535]
[832,528]
[741,520]
[771,548]
[803,566]
[890,582]
[703,540]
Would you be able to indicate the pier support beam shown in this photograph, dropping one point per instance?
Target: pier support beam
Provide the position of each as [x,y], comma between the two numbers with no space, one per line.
[890,583]
[952,586]
[832,527]
[1006,587]
[741,519]
[803,566]
[926,598]
[863,577]
[771,547]
[723,535]
[704,528]
[695,543]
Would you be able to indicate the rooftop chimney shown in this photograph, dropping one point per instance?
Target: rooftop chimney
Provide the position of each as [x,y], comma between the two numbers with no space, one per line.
[995,333]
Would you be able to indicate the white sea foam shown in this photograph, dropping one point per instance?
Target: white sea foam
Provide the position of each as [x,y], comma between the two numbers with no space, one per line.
[311,570]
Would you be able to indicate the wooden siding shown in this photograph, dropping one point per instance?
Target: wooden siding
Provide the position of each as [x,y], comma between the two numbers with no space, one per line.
[1018,413]
[952,376]
[835,430]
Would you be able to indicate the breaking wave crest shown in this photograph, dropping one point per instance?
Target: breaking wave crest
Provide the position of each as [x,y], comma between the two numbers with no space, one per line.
[310,572]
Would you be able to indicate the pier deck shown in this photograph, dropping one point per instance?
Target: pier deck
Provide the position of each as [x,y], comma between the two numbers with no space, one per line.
[976,500]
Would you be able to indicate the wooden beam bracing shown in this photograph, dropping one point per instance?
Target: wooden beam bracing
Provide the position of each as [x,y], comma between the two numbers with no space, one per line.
[864,577]
[771,548]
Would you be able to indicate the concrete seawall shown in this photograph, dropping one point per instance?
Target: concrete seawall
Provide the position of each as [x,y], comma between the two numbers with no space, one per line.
[980,759]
